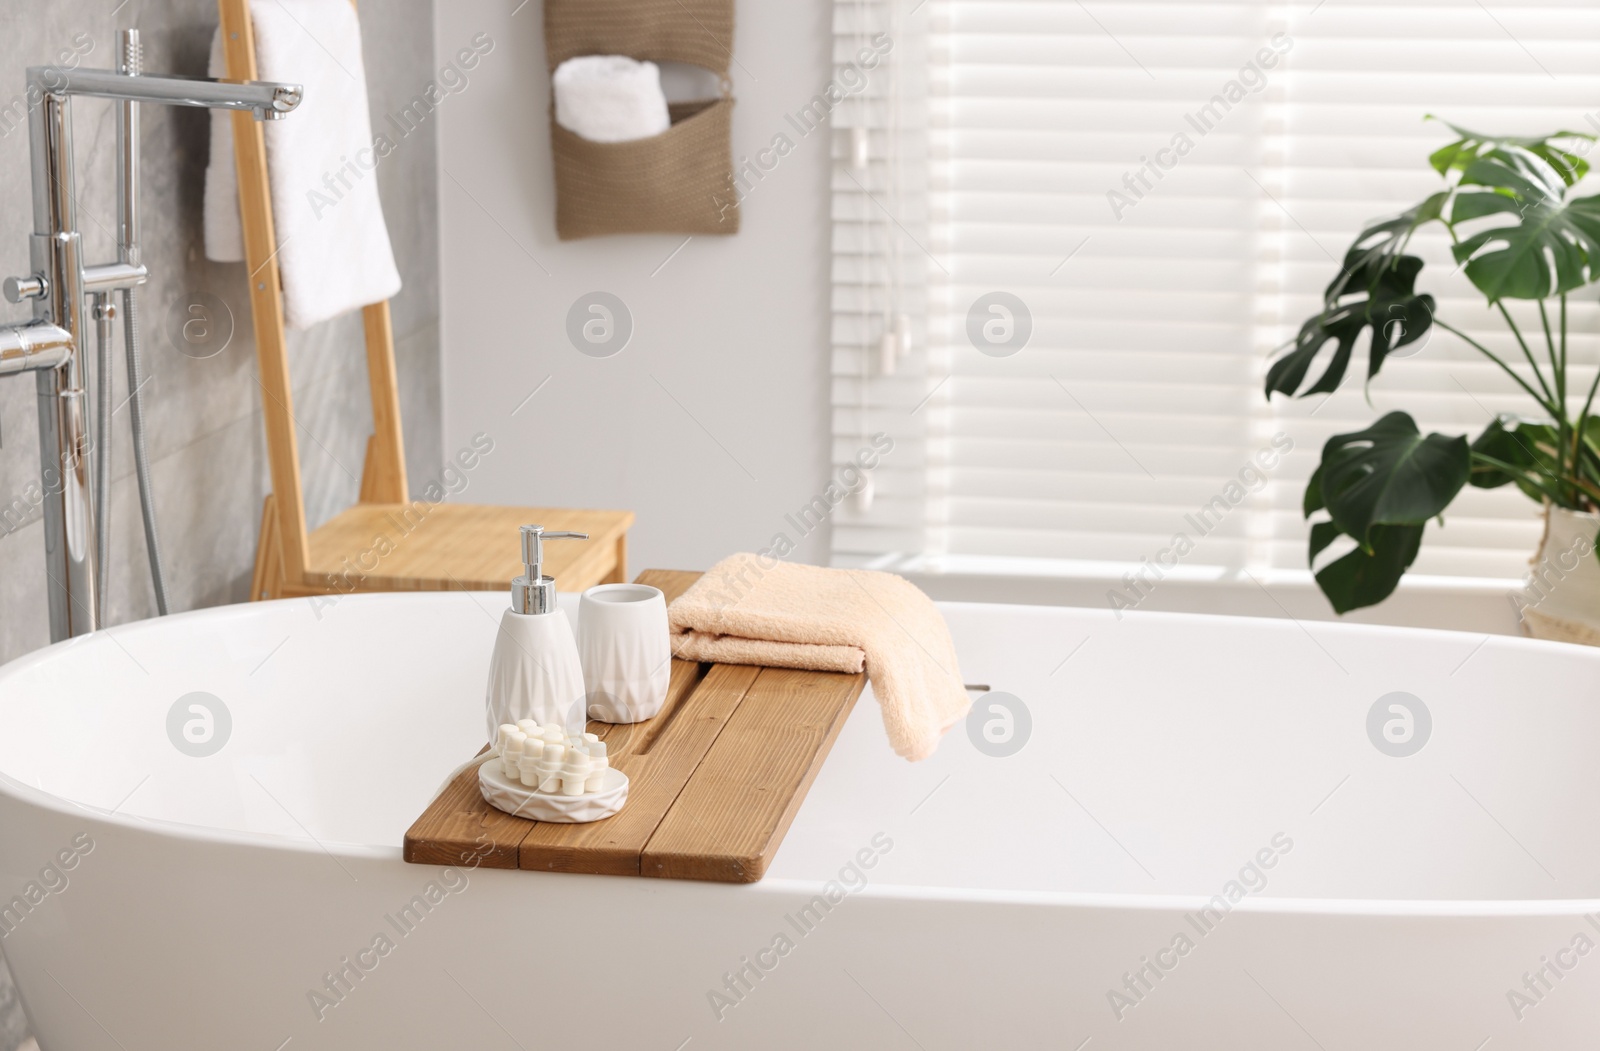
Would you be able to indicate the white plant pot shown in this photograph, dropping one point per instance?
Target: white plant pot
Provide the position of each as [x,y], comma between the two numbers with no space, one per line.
[627,656]
[1561,600]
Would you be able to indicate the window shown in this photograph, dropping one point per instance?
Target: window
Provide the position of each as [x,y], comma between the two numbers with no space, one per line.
[1156,194]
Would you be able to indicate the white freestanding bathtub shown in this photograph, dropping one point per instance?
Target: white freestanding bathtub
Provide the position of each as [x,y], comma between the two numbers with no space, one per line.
[1206,840]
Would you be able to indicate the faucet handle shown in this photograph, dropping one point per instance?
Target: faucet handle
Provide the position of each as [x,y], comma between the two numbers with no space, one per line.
[34,286]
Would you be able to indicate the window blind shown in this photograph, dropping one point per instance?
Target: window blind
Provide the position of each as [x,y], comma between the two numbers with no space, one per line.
[1158,194]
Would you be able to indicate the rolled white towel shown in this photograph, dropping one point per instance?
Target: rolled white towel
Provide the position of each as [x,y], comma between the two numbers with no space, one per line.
[610,98]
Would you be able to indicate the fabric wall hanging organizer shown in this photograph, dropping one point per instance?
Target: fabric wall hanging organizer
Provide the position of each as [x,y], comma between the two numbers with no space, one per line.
[679,181]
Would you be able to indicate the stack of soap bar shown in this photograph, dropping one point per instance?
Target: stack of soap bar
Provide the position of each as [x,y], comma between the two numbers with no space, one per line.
[509,742]
[546,759]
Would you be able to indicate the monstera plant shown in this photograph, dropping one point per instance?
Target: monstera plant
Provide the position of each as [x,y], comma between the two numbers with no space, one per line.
[1520,233]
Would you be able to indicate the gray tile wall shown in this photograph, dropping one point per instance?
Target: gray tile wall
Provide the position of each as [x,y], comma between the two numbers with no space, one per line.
[205,430]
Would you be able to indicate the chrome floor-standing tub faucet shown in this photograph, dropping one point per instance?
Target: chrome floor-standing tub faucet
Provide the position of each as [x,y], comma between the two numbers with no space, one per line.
[61,287]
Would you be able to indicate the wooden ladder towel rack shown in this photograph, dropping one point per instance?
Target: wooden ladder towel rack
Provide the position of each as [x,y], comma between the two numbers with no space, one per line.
[445,546]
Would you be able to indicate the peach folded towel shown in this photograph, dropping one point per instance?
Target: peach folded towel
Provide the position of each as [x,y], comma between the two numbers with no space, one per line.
[782,615]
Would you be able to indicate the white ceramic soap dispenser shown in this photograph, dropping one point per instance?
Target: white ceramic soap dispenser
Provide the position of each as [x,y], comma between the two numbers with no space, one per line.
[535,672]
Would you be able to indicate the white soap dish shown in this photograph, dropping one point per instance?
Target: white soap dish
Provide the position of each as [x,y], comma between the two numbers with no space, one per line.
[502,793]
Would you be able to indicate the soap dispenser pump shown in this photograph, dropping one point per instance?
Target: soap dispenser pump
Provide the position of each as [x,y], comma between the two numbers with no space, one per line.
[535,672]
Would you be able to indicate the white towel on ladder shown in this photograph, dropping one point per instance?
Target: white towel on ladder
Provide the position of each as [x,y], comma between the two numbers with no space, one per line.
[333,247]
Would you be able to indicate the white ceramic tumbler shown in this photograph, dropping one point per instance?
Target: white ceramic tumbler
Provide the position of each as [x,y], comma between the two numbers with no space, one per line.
[627,657]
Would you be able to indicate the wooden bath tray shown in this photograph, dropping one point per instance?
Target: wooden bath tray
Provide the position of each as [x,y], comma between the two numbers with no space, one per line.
[716,779]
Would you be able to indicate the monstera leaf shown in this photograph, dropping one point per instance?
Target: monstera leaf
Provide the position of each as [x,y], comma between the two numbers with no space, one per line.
[1390,307]
[1379,487]
[1538,155]
[1389,474]
[1361,578]
[1549,249]
[1530,448]
[1382,243]
[1541,244]
[1514,450]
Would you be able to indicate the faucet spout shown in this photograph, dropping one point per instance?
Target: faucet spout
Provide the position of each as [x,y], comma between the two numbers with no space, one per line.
[265,99]
[33,346]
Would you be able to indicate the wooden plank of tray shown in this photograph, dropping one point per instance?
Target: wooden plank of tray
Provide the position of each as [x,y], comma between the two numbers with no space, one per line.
[655,779]
[459,828]
[715,780]
[732,814]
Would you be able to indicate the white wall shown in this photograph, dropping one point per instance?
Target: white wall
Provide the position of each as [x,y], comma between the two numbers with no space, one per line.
[734,328]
